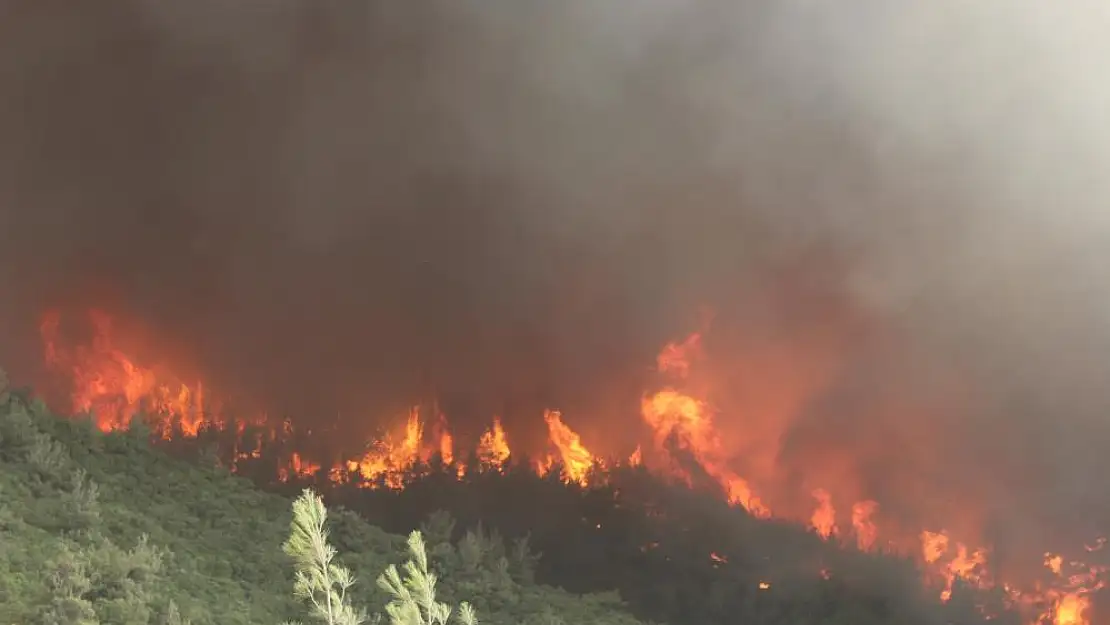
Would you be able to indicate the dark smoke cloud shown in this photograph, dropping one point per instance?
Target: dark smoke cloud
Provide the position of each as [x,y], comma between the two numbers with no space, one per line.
[343,205]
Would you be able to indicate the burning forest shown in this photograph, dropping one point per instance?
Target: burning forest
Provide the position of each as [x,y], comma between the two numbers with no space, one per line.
[837,270]
[688,442]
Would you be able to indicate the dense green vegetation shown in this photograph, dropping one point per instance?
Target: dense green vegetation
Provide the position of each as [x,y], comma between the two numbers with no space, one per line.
[104,528]
[107,528]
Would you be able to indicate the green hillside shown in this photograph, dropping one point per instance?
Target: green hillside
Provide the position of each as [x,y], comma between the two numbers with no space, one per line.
[102,528]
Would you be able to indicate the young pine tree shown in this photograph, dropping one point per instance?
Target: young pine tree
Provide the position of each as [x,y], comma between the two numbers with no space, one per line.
[323,583]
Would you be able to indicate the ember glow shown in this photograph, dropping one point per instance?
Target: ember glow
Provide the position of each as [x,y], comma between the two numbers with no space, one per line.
[686,444]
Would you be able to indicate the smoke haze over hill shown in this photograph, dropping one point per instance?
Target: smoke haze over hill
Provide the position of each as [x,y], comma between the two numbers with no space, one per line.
[897,214]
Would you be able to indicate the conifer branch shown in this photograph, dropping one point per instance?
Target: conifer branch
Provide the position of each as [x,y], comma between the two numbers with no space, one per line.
[323,583]
[318,578]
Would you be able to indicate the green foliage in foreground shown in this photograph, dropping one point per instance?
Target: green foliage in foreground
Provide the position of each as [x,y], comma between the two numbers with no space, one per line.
[101,528]
[324,584]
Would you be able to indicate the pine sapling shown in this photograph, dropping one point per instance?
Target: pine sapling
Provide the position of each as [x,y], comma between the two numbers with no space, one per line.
[414,596]
[319,580]
[323,583]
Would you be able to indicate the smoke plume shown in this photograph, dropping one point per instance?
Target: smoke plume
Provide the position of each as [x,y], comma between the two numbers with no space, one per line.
[896,211]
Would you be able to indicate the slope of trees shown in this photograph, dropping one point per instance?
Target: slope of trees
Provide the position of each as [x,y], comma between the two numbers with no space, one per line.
[104,528]
[674,554]
[678,555]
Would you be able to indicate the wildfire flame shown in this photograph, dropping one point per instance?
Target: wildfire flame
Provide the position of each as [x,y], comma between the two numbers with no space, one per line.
[824,517]
[493,447]
[388,459]
[109,384]
[577,460]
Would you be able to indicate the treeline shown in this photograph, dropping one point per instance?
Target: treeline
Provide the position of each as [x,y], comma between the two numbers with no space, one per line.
[501,537]
[106,528]
[674,554]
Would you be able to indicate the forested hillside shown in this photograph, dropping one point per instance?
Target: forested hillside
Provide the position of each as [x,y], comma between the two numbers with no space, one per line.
[104,528]
[676,554]
[114,528]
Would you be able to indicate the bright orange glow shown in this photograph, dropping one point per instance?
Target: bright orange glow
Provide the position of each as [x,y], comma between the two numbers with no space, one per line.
[680,419]
[577,460]
[686,443]
[447,447]
[493,447]
[824,517]
[637,457]
[962,564]
[862,522]
[1071,610]
[109,385]
[297,467]
[388,459]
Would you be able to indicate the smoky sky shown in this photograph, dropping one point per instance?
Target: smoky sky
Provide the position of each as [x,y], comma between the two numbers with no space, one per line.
[343,205]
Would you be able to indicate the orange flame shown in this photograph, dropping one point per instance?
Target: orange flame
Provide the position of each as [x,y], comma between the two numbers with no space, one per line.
[108,385]
[965,564]
[493,447]
[1071,610]
[447,447]
[577,460]
[862,522]
[388,459]
[297,467]
[824,517]
[113,386]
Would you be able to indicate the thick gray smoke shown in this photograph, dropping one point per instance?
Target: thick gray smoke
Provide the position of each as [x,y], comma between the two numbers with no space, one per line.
[344,205]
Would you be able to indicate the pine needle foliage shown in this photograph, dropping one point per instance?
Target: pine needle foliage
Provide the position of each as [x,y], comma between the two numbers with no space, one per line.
[414,596]
[319,580]
[323,583]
